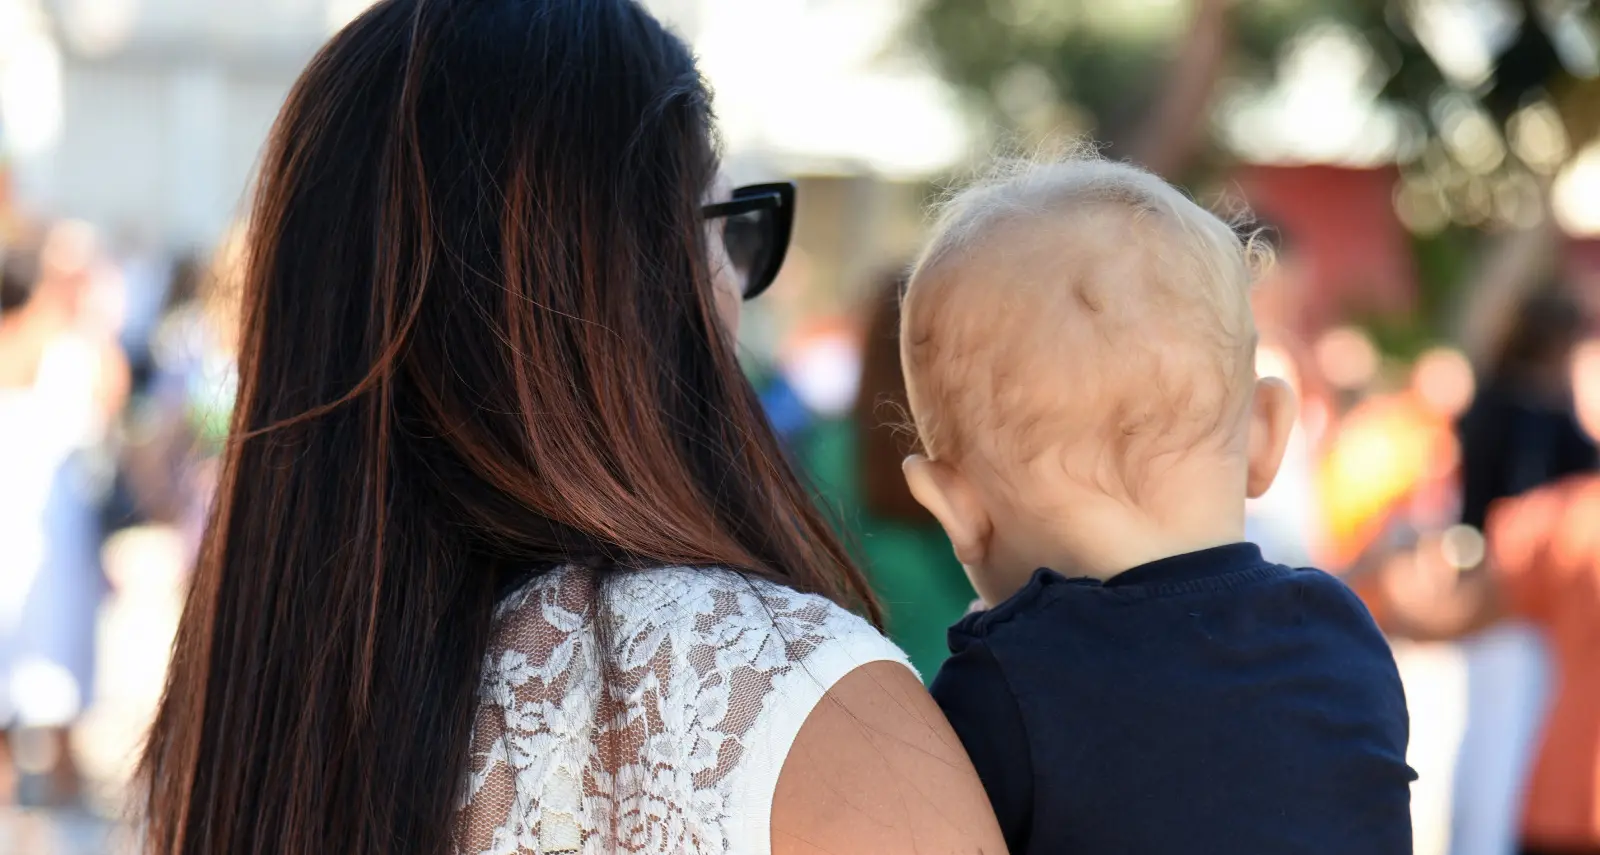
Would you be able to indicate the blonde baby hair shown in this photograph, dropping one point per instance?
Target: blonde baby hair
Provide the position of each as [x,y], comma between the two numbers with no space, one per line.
[1078,298]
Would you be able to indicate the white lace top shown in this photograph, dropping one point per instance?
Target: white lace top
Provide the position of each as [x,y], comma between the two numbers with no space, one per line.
[712,674]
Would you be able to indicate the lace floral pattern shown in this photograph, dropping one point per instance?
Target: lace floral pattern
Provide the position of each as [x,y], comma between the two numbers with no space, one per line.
[667,740]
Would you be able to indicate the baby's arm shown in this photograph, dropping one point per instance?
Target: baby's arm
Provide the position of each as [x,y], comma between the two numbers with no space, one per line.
[975,697]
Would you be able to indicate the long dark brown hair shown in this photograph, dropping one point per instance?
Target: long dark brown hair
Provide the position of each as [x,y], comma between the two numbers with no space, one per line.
[479,340]
[881,416]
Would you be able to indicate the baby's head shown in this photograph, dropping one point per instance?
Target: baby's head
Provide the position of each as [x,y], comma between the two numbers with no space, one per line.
[1080,361]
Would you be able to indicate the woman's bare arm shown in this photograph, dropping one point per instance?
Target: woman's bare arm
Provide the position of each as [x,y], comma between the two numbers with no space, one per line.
[876,768]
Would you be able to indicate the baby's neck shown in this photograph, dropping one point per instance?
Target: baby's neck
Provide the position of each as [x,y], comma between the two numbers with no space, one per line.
[1099,536]
[1119,546]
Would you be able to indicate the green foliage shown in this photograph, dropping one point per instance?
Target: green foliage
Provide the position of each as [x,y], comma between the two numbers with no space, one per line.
[1444,266]
[1104,64]
[1095,66]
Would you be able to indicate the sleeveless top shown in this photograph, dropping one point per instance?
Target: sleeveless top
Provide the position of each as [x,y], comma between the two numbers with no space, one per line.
[656,724]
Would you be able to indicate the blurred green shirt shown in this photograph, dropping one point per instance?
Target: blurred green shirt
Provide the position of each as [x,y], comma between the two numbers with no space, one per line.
[912,568]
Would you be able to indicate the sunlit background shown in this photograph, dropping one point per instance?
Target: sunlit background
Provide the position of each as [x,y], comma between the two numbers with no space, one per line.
[1419,167]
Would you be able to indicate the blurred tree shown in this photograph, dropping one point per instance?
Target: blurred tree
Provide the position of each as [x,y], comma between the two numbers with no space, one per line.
[1490,98]
[1045,67]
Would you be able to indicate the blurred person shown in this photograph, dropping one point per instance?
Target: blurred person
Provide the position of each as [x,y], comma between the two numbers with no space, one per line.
[1386,470]
[182,417]
[149,273]
[763,340]
[169,437]
[62,380]
[1508,679]
[1080,362]
[812,381]
[504,556]
[822,359]
[1522,429]
[1388,473]
[785,409]
[1586,379]
[855,462]
[1539,562]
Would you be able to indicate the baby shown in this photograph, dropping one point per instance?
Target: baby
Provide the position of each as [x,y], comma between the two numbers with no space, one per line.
[1080,361]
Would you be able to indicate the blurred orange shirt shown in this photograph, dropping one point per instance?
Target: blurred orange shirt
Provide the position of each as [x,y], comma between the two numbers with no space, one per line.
[1545,550]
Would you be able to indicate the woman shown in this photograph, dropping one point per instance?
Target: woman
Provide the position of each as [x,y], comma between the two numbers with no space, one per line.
[1521,432]
[1541,565]
[1520,435]
[62,381]
[504,557]
[856,462]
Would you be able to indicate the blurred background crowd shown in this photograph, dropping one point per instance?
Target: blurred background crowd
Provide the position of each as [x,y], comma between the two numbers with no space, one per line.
[1427,171]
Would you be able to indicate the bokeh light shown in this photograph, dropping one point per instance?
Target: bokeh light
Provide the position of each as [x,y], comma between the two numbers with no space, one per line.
[1576,194]
[1274,361]
[1462,547]
[1443,379]
[1538,137]
[30,82]
[1347,357]
[1586,385]
[1469,133]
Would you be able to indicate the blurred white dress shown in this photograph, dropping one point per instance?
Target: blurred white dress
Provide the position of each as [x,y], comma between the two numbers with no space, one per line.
[678,745]
[50,582]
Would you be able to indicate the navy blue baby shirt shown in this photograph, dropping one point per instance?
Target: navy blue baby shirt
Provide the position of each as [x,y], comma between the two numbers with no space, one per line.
[1206,703]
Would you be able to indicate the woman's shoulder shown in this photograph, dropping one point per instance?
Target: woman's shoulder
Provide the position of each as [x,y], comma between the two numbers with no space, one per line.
[729,667]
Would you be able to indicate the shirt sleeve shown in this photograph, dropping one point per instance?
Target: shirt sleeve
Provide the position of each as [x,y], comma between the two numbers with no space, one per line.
[975,697]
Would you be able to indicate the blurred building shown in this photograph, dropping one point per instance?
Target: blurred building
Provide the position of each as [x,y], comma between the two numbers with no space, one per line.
[818,89]
[148,115]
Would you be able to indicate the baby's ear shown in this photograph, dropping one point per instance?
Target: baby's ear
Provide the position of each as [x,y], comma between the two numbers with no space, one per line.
[948,495]
[1272,418]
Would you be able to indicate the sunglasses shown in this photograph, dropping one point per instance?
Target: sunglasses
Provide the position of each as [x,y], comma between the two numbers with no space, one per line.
[757,223]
